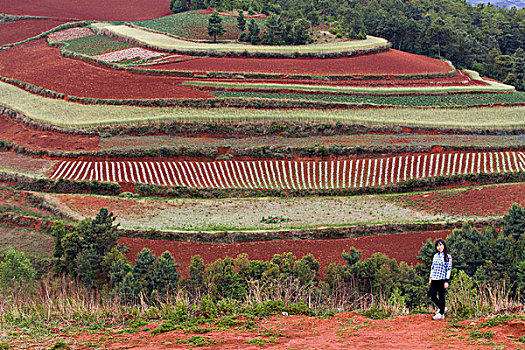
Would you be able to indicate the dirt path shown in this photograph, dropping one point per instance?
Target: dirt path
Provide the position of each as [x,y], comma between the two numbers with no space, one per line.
[344,331]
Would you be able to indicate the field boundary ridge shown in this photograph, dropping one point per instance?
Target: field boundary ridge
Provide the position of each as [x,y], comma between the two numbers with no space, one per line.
[162,42]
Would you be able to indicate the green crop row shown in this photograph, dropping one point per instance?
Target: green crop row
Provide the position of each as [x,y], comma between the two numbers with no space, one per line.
[467,100]
[93,45]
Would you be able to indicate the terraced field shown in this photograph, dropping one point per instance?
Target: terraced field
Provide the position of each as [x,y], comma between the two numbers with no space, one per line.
[139,105]
[292,174]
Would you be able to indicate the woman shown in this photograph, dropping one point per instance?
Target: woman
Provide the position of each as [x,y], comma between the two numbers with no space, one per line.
[440,278]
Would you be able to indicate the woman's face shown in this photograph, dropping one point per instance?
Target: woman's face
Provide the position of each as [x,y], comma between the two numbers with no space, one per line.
[440,247]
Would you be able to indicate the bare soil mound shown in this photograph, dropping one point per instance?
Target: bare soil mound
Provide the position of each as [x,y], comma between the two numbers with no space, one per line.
[401,246]
[116,10]
[37,63]
[13,32]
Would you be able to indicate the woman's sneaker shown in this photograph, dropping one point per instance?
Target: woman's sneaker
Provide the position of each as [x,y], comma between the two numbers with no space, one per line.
[438,316]
[437,311]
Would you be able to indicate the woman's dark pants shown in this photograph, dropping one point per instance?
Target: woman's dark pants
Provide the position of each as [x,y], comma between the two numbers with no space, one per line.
[437,288]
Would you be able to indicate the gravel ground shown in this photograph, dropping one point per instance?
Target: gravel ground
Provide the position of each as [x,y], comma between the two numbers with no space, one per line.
[244,213]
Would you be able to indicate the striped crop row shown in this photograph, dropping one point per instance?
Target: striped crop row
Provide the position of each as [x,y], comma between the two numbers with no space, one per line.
[284,174]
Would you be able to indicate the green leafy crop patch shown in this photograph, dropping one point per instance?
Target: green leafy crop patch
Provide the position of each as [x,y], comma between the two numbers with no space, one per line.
[409,100]
[93,45]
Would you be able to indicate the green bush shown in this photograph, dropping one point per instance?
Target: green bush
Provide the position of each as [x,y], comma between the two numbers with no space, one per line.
[16,271]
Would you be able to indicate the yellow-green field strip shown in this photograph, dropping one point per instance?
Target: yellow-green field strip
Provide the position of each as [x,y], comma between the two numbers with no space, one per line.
[164,42]
[69,114]
[493,87]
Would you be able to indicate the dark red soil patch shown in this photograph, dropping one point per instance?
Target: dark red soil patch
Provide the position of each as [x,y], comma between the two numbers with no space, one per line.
[389,62]
[401,246]
[20,30]
[41,65]
[131,10]
[485,201]
[25,136]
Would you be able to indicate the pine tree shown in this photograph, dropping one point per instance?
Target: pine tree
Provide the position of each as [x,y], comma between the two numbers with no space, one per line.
[274,31]
[514,222]
[306,269]
[165,274]
[119,271]
[353,256]
[99,232]
[58,232]
[195,282]
[241,21]
[300,31]
[215,27]
[253,32]
[87,264]
[178,6]
[143,271]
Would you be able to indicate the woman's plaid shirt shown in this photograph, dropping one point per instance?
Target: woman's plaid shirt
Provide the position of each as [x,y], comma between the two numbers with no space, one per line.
[440,267]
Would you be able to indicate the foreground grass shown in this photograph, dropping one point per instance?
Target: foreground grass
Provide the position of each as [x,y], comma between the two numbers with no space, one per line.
[63,113]
[162,41]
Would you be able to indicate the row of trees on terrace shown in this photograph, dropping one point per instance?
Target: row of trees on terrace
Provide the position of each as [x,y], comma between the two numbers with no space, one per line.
[89,252]
[485,38]
[276,31]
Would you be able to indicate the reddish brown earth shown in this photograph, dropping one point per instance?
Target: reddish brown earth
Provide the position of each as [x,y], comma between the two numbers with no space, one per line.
[25,136]
[131,10]
[400,246]
[13,32]
[389,62]
[346,330]
[26,164]
[37,63]
[12,200]
[484,201]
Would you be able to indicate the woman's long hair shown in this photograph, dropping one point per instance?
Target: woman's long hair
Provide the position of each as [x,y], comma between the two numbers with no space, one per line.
[445,251]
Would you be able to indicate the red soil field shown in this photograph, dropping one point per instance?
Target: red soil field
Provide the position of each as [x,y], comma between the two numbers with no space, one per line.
[389,62]
[15,200]
[13,32]
[25,136]
[41,65]
[485,201]
[131,10]
[348,330]
[400,246]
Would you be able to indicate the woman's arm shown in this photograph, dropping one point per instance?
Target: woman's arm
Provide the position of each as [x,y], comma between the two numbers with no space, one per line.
[449,271]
